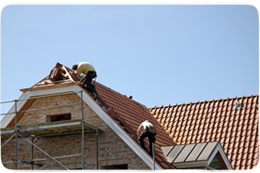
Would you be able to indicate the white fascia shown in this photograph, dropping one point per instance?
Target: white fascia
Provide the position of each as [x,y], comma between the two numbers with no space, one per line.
[11,113]
[223,155]
[193,164]
[95,107]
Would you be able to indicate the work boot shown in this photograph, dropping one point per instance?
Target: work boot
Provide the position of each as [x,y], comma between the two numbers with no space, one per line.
[94,95]
[85,86]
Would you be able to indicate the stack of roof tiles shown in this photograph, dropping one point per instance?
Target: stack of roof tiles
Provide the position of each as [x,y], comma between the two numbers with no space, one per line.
[216,120]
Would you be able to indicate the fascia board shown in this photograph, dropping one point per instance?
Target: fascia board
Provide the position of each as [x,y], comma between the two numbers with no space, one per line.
[194,164]
[98,110]
[213,154]
[26,95]
[7,118]
[224,157]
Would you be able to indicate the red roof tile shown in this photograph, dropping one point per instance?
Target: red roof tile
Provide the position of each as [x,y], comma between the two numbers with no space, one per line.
[216,120]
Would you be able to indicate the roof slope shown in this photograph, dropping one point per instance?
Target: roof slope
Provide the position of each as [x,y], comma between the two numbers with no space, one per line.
[133,114]
[216,120]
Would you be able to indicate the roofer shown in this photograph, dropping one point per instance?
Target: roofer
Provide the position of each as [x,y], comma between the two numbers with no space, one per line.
[90,73]
[149,131]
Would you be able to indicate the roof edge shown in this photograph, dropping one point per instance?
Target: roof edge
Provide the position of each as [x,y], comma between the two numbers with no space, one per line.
[196,102]
[53,86]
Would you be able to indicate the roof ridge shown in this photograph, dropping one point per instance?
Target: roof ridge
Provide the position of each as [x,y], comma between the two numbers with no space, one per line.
[196,102]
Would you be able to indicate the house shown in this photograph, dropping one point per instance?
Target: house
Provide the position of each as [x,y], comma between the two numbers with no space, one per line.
[67,129]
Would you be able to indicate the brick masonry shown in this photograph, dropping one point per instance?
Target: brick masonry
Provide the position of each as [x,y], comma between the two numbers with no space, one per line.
[112,149]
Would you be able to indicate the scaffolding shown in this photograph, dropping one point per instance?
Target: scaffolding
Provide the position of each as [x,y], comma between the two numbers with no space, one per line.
[48,129]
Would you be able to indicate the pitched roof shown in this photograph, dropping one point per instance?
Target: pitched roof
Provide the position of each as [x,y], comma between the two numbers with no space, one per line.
[128,113]
[216,120]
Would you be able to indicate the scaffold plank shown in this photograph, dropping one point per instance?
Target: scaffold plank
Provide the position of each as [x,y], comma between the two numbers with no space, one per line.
[58,128]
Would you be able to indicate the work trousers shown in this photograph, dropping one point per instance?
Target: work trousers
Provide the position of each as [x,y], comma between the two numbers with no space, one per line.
[88,79]
[151,138]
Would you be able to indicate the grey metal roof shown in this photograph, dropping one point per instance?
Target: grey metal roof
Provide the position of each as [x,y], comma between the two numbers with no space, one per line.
[193,155]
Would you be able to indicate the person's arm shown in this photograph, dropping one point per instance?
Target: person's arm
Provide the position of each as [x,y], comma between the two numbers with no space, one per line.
[78,72]
[139,130]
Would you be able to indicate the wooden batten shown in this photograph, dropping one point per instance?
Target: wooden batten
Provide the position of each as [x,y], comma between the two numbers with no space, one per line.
[51,86]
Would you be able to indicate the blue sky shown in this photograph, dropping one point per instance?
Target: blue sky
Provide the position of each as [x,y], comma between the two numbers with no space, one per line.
[159,54]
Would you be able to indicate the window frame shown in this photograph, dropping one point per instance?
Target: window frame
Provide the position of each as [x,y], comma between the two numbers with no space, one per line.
[48,117]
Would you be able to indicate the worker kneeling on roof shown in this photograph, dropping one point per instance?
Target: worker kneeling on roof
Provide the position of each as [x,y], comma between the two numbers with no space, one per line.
[90,73]
[149,131]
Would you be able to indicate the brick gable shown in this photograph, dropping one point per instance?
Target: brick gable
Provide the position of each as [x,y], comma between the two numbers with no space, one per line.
[112,149]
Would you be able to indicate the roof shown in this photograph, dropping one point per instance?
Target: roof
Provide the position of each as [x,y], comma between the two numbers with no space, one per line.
[125,112]
[196,155]
[216,120]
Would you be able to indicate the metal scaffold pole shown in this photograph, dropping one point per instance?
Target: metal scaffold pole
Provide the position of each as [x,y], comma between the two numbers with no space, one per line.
[15,161]
[83,153]
[43,152]
[29,132]
[32,153]
[153,156]
[97,135]
[7,141]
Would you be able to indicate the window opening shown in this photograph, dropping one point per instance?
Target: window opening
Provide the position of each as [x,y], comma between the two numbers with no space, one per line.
[62,117]
[216,163]
[124,166]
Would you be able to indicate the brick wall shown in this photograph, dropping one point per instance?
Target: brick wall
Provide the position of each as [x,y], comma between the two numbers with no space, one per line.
[112,150]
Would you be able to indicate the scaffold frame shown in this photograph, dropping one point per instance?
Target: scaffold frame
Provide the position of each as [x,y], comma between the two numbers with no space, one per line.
[78,126]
